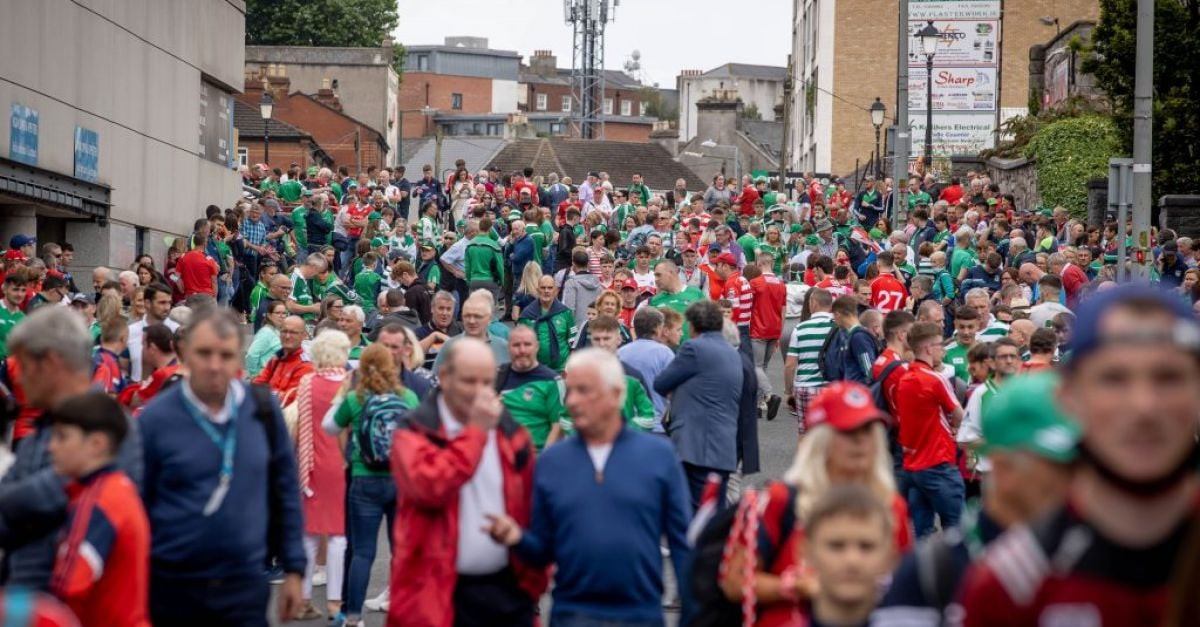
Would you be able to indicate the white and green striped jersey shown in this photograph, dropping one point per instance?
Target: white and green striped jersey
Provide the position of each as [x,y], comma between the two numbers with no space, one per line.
[994,331]
[430,230]
[805,346]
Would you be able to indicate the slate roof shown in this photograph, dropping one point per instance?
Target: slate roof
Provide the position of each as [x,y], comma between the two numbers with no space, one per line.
[747,70]
[249,123]
[766,135]
[613,79]
[476,151]
[575,157]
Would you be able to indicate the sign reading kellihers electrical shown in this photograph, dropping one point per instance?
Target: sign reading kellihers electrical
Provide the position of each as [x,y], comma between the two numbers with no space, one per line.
[965,74]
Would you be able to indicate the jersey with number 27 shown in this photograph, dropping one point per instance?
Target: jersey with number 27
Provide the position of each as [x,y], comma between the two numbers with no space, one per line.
[888,293]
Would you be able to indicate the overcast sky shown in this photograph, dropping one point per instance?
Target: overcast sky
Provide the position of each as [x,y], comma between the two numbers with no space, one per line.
[672,35]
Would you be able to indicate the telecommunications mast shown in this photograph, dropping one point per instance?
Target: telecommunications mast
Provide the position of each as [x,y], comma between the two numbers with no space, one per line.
[588,19]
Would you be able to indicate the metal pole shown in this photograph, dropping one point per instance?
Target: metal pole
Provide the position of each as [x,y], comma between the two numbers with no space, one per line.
[437,149]
[1142,139]
[901,149]
[267,141]
[928,114]
[400,139]
[878,156]
[787,112]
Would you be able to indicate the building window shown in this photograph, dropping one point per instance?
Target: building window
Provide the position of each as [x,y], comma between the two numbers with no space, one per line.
[422,63]
[642,106]
[556,128]
[626,107]
[608,106]
[243,156]
[456,101]
[495,129]
[566,104]
[541,102]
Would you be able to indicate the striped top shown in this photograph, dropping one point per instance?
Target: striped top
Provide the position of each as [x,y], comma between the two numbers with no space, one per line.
[805,346]
[994,330]
[737,291]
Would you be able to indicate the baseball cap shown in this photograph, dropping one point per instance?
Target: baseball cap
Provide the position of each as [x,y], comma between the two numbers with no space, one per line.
[726,259]
[775,208]
[1170,247]
[812,240]
[824,225]
[1088,336]
[843,405]
[714,249]
[1025,415]
[82,298]
[428,244]
[687,248]
[794,228]
[14,254]
[21,239]
[377,242]
[513,215]
[629,284]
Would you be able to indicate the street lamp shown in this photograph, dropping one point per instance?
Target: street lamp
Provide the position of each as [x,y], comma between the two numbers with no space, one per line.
[877,111]
[708,143]
[265,106]
[929,37]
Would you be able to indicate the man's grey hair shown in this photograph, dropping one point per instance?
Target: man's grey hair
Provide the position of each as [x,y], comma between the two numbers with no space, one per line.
[472,229]
[317,261]
[55,330]
[444,296]
[354,311]
[924,282]
[1016,243]
[606,365]
[897,237]
[976,293]
[1056,259]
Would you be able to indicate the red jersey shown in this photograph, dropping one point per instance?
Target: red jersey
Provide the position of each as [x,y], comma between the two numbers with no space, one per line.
[1019,581]
[136,396]
[766,315]
[888,293]
[924,400]
[26,415]
[737,291]
[106,371]
[746,200]
[515,191]
[835,287]
[197,272]
[626,316]
[893,379]
[716,287]
[357,211]
[102,570]
[560,217]
[951,194]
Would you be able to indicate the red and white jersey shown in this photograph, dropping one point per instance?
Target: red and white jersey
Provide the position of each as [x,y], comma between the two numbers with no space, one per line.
[836,287]
[738,292]
[888,293]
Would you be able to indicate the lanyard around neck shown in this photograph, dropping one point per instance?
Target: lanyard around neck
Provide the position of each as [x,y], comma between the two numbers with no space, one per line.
[226,443]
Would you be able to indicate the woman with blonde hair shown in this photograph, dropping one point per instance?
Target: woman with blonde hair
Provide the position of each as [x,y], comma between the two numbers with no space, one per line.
[374,396]
[526,291]
[321,469]
[844,443]
[608,303]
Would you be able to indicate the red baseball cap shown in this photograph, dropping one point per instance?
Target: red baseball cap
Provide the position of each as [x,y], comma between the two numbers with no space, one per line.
[727,259]
[13,254]
[843,405]
[629,284]
[687,248]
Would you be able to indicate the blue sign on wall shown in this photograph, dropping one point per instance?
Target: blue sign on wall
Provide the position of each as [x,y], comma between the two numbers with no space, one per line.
[23,140]
[87,154]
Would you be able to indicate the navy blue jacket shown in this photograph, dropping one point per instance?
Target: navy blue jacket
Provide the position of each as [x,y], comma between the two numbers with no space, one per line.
[703,412]
[850,355]
[182,467]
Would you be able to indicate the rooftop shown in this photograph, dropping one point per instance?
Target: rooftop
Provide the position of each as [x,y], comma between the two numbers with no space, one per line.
[576,157]
[747,70]
[615,79]
[319,55]
[249,123]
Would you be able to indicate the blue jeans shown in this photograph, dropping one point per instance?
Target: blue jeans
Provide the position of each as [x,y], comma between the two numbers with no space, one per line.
[937,490]
[371,499]
[745,346]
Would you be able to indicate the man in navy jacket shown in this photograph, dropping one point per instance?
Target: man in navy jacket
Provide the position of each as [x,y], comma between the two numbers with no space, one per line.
[220,489]
[703,420]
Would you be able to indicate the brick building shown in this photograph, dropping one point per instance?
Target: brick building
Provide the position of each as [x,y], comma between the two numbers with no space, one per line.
[759,87]
[343,140]
[545,93]
[843,57]
[576,157]
[288,144]
[462,77]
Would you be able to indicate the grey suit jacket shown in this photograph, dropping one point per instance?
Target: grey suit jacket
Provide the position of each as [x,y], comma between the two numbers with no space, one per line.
[705,384]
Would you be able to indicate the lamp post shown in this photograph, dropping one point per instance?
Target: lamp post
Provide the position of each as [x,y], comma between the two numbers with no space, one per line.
[265,106]
[929,42]
[877,111]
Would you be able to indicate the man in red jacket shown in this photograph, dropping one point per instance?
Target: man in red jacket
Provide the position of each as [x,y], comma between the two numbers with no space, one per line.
[1073,279]
[197,271]
[766,327]
[283,372]
[459,457]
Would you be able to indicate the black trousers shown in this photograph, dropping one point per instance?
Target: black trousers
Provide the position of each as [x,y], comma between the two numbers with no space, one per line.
[495,600]
[188,602]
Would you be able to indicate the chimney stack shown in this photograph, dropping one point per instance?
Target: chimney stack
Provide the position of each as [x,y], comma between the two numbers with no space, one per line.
[543,63]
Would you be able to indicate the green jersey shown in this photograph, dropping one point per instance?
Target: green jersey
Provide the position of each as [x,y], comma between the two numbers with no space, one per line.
[290,191]
[8,320]
[535,400]
[366,286]
[919,197]
[483,260]
[749,245]
[956,356]
[349,413]
[302,293]
[778,252]
[430,230]
[256,296]
[638,409]
[334,285]
[960,259]
[356,350]
[269,185]
[678,302]
[299,228]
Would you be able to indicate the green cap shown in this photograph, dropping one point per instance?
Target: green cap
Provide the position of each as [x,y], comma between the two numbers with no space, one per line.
[812,240]
[794,228]
[514,215]
[312,170]
[374,215]
[991,202]
[377,242]
[1025,415]
[875,233]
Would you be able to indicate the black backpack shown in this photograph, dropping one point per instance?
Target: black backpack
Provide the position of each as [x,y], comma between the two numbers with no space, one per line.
[714,609]
[877,391]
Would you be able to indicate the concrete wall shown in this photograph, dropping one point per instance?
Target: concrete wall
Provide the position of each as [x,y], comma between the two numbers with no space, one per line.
[764,94]
[504,96]
[132,72]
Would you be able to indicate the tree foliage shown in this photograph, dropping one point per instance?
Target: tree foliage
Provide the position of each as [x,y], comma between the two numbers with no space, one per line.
[1111,59]
[1069,152]
[336,23]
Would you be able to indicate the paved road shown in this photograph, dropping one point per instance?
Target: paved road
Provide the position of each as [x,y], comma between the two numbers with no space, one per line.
[777,445]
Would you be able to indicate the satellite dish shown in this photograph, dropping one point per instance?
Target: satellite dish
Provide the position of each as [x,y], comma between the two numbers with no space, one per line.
[637,54]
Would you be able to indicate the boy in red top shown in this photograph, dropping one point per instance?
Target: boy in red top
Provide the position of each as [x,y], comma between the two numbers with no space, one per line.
[103,562]
[928,411]
[896,325]
[737,291]
[197,271]
[887,292]
[766,325]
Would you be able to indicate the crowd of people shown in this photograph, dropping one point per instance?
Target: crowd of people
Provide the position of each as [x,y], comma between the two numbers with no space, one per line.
[539,387]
